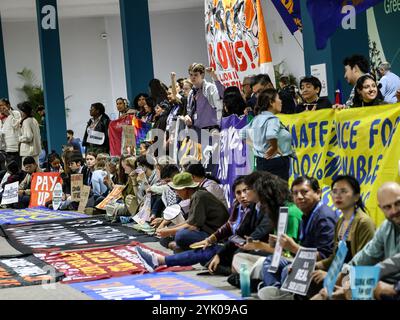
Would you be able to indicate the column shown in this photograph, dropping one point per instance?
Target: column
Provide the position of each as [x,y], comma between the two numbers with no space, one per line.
[50,53]
[136,37]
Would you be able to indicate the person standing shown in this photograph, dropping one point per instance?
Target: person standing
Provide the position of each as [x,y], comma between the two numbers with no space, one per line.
[29,138]
[96,133]
[9,128]
[271,140]
[389,82]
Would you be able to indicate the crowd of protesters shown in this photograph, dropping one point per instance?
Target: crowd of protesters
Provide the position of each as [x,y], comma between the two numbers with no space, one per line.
[183,203]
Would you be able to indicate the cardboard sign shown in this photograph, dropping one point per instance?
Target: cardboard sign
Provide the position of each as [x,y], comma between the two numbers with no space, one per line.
[84,198]
[76,187]
[299,278]
[57,196]
[10,194]
[282,223]
[115,194]
[363,280]
[42,187]
[128,139]
[96,137]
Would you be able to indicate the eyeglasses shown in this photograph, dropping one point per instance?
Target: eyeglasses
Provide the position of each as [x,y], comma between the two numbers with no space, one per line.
[339,192]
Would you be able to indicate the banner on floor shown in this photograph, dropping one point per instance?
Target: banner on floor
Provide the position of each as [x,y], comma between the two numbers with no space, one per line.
[361,142]
[26,270]
[235,155]
[237,40]
[42,187]
[95,264]
[160,286]
[66,235]
[29,215]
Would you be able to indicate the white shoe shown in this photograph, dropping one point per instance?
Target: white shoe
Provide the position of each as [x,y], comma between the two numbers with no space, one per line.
[274,293]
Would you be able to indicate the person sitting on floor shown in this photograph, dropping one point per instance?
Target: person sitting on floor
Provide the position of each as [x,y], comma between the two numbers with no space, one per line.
[208,247]
[206,213]
[317,231]
[24,193]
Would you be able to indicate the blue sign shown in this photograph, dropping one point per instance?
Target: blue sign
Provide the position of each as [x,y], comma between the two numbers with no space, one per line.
[363,281]
[335,268]
[152,286]
[12,216]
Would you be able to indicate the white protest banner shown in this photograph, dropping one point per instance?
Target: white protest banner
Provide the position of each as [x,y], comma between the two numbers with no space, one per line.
[299,278]
[282,223]
[10,194]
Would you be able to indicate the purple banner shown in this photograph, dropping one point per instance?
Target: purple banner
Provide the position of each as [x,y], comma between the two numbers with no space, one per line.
[235,155]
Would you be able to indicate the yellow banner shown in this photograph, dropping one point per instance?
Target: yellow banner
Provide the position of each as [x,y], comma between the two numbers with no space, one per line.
[362,142]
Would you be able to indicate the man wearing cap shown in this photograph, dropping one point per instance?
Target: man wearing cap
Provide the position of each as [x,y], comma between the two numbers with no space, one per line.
[206,213]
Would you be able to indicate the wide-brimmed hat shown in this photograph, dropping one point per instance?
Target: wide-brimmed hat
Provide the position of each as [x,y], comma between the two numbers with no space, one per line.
[182,181]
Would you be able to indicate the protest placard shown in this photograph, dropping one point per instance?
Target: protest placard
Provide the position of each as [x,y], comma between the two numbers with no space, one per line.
[335,268]
[76,186]
[57,196]
[84,198]
[299,278]
[282,223]
[10,194]
[42,187]
[128,139]
[363,280]
[115,194]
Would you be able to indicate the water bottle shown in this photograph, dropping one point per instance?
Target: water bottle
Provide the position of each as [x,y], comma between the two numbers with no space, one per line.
[245,281]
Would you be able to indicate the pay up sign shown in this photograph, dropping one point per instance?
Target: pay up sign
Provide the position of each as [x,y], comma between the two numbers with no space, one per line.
[42,187]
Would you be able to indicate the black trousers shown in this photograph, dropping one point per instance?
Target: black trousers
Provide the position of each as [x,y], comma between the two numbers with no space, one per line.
[277,166]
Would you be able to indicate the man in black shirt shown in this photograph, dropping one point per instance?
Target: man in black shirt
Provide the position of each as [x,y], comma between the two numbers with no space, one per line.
[310,88]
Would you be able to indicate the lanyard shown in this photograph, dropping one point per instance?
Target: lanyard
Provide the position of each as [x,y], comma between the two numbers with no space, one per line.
[238,219]
[348,228]
[304,231]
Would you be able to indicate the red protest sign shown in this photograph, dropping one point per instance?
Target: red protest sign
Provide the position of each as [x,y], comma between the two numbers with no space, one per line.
[42,187]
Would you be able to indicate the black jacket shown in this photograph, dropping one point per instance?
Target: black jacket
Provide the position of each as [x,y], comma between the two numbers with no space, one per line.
[102,126]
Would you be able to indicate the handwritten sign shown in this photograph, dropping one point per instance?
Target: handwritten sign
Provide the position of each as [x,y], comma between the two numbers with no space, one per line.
[76,187]
[84,198]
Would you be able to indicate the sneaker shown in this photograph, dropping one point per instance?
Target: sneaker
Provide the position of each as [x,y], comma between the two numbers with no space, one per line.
[148,257]
[274,293]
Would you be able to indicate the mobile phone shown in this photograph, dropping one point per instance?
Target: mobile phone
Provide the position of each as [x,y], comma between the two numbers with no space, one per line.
[238,240]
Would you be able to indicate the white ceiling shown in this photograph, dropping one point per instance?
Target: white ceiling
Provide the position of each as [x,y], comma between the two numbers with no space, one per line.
[25,9]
